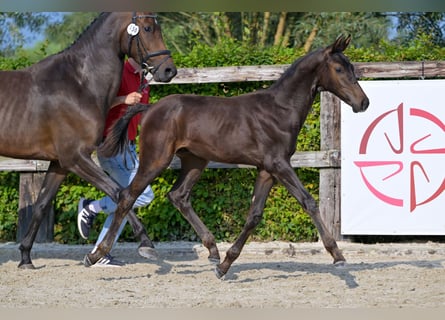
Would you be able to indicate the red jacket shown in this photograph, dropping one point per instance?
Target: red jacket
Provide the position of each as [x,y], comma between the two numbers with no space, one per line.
[129,83]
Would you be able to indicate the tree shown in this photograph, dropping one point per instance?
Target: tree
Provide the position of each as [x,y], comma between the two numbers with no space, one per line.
[65,32]
[11,29]
[314,30]
[412,24]
[182,30]
[286,29]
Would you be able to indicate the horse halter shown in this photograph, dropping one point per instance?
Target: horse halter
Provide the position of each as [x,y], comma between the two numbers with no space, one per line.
[133,32]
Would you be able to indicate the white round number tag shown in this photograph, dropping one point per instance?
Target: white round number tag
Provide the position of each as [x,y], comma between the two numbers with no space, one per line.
[132,29]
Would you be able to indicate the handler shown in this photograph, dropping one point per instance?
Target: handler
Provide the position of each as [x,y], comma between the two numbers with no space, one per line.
[122,167]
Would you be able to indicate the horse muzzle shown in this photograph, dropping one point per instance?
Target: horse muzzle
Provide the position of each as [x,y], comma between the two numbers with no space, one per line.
[163,70]
[165,73]
[361,107]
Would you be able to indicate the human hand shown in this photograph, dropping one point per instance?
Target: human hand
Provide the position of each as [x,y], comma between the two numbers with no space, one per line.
[133,98]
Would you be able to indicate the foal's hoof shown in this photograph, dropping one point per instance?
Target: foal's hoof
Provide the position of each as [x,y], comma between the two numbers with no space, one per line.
[26,266]
[218,272]
[340,264]
[148,253]
[87,262]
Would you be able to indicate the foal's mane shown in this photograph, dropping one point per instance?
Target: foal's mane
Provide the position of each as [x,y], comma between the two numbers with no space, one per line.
[292,68]
[89,29]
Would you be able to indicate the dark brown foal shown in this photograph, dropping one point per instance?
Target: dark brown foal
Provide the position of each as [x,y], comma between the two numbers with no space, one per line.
[258,129]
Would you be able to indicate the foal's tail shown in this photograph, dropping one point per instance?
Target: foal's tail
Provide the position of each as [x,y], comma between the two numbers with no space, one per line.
[117,140]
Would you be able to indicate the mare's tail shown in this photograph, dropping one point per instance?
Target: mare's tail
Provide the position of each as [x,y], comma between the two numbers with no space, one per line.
[117,140]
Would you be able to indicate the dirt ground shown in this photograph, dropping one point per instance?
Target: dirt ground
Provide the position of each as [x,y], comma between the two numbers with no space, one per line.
[267,275]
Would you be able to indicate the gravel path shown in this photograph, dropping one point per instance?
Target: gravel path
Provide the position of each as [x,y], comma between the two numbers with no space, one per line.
[271,275]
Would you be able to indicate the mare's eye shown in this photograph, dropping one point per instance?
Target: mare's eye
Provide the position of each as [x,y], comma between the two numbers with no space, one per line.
[338,69]
[148,28]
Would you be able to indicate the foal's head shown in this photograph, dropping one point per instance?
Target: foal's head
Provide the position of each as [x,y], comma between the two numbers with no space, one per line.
[337,76]
[143,42]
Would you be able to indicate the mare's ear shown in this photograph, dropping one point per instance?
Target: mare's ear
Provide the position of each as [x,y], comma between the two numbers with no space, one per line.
[340,44]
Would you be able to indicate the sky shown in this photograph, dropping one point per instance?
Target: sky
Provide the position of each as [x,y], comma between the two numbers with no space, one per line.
[35,37]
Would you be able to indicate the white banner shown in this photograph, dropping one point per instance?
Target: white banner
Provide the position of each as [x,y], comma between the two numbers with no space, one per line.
[393,160]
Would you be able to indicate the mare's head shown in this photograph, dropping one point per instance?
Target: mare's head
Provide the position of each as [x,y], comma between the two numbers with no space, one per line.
[142,40]
[337,75]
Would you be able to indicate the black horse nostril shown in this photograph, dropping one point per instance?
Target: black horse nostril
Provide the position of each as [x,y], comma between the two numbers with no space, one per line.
[170,72]
[365,104]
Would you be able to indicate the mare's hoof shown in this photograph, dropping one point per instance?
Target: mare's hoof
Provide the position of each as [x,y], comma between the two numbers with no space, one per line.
[340,264]
[219,274]
[26,266]
[148,253]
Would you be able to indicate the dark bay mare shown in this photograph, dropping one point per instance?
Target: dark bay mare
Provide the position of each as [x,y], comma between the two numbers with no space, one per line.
[55,109]
[258,128]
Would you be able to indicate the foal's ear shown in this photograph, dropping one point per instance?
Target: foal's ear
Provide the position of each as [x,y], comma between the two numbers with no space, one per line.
[340,44]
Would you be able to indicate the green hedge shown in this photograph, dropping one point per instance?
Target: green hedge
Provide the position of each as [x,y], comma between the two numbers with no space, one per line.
[222,196]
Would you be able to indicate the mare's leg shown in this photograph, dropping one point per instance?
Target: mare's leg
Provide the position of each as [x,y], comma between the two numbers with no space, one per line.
[263,184]
[287,176]
[179,196]
[53,178]
[89,171]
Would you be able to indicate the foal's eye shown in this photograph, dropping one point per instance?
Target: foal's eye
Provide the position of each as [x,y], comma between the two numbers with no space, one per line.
[148,28]
[338,69]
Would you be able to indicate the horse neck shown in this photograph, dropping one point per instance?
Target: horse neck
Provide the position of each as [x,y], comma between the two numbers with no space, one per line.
[100,41]
[296,90]
[98,57]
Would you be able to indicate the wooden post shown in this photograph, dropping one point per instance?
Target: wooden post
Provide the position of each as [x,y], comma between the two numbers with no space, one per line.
[330,182]
[30,184]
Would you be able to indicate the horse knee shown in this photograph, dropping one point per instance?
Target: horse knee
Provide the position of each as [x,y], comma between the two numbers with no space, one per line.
[177,200]
[125,200]
[253,220]
[310,205]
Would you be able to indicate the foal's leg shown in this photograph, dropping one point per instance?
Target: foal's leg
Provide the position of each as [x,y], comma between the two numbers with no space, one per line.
[53,178]
[146,248]
[88,170]
[179,196]
[127,197]
[263,184]
[287,176]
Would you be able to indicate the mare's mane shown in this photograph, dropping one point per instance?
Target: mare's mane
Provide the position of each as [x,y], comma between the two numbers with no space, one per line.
[89,30]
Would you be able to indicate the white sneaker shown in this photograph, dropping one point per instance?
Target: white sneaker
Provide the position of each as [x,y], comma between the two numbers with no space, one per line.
[85,217]
[108,261]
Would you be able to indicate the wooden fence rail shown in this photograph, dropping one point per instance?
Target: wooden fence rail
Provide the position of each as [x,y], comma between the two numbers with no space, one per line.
[328,158]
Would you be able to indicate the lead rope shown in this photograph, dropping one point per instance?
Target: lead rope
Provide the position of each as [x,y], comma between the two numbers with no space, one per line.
[143,84]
